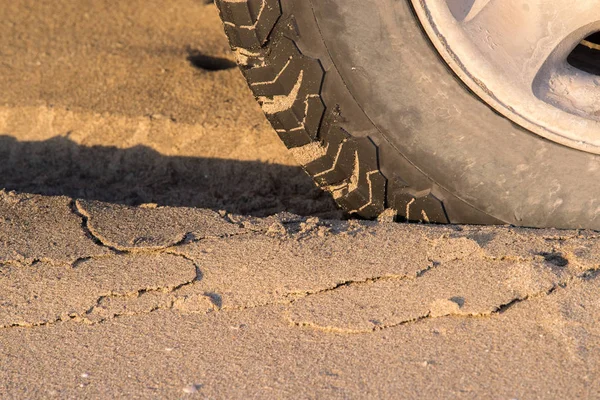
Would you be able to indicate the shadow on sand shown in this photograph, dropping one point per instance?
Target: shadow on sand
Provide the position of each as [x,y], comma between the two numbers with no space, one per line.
[138,175]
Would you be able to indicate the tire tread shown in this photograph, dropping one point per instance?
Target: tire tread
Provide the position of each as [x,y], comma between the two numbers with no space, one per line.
[288,85]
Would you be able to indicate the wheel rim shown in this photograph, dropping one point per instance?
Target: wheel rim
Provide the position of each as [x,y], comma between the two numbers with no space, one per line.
[518,57]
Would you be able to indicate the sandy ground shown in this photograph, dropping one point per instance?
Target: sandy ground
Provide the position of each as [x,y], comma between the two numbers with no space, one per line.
[107,100]
[156,240]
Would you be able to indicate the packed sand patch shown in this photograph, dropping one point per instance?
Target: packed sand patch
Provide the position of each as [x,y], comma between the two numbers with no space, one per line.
[296,307]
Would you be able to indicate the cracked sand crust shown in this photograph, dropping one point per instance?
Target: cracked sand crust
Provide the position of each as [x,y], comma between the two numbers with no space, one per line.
[137,260]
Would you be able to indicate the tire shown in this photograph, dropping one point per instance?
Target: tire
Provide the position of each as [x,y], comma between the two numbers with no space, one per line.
[357,92]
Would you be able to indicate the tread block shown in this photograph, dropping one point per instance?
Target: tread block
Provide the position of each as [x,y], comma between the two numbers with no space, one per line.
[419,207]
[350,170]
[288,88]
[371,206]
[248,23]
[338,162]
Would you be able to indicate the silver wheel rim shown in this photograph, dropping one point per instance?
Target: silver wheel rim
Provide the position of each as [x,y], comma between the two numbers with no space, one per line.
[513,55]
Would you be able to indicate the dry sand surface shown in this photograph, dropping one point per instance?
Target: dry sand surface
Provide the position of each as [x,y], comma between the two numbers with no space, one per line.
[156,240]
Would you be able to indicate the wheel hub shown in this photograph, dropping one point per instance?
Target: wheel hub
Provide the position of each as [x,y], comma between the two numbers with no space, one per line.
[524,58]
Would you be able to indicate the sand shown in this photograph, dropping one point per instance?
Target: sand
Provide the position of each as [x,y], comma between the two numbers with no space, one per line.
[110,102]
[156,240]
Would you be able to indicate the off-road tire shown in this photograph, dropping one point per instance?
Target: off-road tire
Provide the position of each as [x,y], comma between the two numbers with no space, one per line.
[314,97]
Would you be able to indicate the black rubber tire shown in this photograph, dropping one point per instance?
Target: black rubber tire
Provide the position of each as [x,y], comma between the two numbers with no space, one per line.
[358,93]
